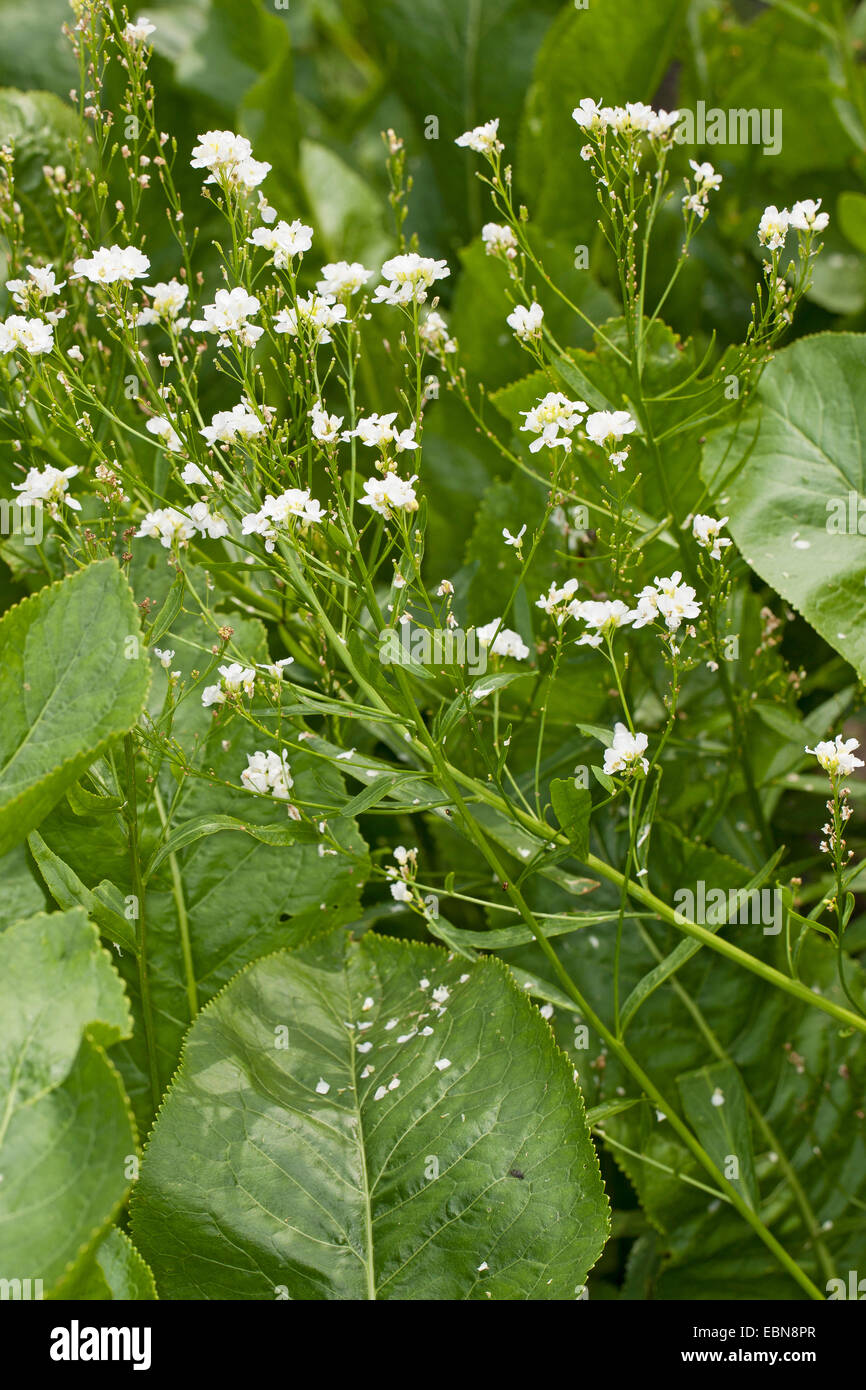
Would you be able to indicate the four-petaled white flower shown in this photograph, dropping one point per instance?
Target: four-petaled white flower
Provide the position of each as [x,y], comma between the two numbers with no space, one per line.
[315,316]
[137,31]
[389,494]
[230,314]
[326,428]
[837,757]
[773,227]
[502,641]
[526,322]
[377,431]
[236,680]
[268,774]
[408,278]
[111,265]
[601,616]
[553,414]
[285,240]
[626,752]
[483,139]
[165,430]
[47,487]
[805,217]
[499,241]
[294,506]
[167,299]
[705,530]
[343,278]
[228,425]
[32,335]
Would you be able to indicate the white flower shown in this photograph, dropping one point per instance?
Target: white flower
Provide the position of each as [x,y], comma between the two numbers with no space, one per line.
[607,426]
[552,414]
[340,277]
[111,265]
[706,177]
[326,428]
[228,157]
[192,475]
[526,322]
[499,241]
[41,285]
[75,353]
[805,217]
[377,431]
[626,752]
[164,658]
[167,525]
[504,642]
[588,114]
[669,599]
[705,530]
[47,486]
[316,314]
[409,278]
[555,601]
[773,227]
[483,139]
[433,333]
[837,758]
[275,669]
[268,774]
[286,240]
[230,313]
[389,494]
[236,679]
[138,31]
[172,527]
[228,425]
[168,298]
[165,430]
[400,891]
[600,615]
[294,505]
[33,335]
[514,540]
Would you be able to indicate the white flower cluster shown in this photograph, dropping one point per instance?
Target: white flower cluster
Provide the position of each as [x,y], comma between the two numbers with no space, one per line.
[607,428]
[526,322]
[553,421]
[42,284]
[236,680]
[47,487]
[803,217]
[230,314]
[389,494]
[666,600]
[171,527]
[342,278]
[706,181]
[285,241]
[269,774]
[401,877]
[377,432]
[499,241]
[112,265]
[313,316]
[502,641]
[228,425]
[434,335]
[295,505]
[625,754]
[228,159]
[837,756]
[629,121]
[483,139]
[168,297]
[31,335]
[408,278]
[705,530]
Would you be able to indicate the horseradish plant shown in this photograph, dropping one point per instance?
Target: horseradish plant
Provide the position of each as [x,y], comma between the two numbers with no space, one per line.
[242,679]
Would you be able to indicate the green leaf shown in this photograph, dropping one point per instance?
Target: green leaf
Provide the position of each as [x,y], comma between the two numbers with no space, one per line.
[851,209]
[68,891]
[257,1184]
[573,808]
[792,478]
[714,1102]
[66,1135]
[66,689]
[116,1271]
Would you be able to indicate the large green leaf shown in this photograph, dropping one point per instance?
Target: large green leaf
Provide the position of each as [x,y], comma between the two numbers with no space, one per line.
[66,1134]
[371,1120]
[792,476]
[71,679]
[116,1271]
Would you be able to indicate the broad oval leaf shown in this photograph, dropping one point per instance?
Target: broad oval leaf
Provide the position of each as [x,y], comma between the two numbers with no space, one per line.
[792,477]
[68,685]
[371,1120]
[65,1126]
